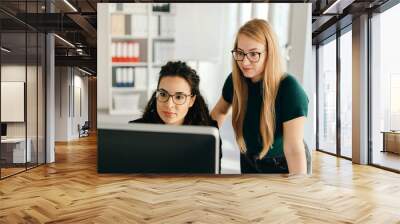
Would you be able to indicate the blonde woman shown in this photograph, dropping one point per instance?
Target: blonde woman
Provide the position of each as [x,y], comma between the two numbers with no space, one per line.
[269,107]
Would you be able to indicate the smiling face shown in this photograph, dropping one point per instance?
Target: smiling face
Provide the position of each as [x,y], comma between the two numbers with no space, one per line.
[169,111]
[252,70]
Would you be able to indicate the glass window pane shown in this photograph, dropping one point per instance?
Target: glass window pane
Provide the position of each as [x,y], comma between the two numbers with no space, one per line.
[13,87]
[346,94]
[386,89]
[327,97]
[23,84]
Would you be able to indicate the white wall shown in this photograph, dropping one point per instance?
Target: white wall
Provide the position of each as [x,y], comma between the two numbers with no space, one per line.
[300,41]
[61,103]
[68,81]
[302,62]
[211,58]
[195,41]
[15,73]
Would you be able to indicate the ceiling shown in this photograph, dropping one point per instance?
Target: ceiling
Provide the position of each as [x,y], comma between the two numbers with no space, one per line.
[331,15]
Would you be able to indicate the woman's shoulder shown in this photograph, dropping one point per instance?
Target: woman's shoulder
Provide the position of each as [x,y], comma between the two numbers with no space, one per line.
[228,79]
[139,120]
[227,89]
[289,83]
[292,100]
[151,118]
[288,80]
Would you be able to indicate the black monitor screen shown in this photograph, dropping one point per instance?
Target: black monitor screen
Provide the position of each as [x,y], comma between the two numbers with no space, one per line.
[150,148]
[3,129]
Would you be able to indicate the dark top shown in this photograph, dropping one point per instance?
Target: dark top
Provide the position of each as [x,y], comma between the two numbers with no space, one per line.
[291,102]
[212,124]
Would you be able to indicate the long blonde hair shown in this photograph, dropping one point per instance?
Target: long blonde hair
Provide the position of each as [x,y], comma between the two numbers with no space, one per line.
[261,31]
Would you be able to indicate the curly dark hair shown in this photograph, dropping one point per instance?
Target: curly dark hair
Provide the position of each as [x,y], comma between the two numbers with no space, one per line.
[198,114]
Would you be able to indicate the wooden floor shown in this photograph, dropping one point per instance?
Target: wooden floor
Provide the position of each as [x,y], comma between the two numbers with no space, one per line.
[387,159]
[71,191]
[5,172]
[10,171]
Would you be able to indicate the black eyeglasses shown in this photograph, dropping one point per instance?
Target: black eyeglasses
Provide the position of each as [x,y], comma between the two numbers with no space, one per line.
[178,98]
[253,56]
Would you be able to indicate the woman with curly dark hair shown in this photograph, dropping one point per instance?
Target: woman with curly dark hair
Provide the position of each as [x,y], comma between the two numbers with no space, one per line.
[177,100]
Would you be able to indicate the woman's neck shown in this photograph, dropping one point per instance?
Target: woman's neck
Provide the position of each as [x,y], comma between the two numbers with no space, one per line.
[256,78]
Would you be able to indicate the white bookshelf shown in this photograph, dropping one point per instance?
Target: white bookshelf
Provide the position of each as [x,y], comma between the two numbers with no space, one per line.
[135,43]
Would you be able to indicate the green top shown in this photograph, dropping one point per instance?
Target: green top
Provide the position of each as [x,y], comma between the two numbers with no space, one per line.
[291,102]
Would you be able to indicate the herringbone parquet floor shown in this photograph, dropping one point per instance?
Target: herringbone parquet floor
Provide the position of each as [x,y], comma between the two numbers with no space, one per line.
[71,191]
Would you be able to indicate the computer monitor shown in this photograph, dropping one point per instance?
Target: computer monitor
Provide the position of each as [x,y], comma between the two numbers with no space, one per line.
[3,129]
[157,148]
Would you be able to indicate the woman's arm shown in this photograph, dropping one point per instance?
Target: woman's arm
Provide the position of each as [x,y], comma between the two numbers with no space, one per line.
[293,145]
[220,111]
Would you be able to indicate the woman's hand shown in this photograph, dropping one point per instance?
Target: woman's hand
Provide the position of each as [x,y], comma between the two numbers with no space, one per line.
[293,146]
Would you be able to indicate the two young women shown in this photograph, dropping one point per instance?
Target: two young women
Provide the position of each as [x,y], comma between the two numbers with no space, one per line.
[269,107]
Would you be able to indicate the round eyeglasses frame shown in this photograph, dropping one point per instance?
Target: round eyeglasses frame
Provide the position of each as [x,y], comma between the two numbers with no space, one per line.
[235,56]
[158,92]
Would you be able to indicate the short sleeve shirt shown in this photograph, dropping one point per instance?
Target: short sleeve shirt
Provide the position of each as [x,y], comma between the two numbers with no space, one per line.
[291,102]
